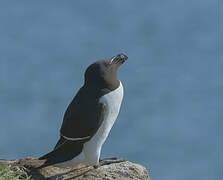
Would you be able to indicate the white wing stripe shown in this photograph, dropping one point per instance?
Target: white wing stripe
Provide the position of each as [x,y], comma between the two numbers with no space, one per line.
[74,139]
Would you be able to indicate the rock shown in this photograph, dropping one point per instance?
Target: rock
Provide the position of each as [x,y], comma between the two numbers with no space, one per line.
[120,171]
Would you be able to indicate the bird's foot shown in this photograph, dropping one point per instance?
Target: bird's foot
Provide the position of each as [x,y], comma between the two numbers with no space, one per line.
[108,161]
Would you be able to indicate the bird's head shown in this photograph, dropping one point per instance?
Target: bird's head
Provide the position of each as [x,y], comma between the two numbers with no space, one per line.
[103,73]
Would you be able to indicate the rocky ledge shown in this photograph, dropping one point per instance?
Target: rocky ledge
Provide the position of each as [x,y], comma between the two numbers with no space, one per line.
[25,169]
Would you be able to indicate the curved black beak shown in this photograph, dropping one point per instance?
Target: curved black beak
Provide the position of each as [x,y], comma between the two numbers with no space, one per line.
[120,58]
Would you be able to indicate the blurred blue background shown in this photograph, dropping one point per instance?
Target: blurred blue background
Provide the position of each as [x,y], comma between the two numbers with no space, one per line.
[171,117]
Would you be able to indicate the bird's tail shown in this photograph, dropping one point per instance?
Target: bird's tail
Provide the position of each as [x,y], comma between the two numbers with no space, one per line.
[59,143]
[64,150]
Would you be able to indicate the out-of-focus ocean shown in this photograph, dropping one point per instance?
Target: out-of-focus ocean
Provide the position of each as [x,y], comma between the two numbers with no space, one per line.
[171,116]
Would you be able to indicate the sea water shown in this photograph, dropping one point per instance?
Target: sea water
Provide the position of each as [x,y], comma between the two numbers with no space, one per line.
[171,117]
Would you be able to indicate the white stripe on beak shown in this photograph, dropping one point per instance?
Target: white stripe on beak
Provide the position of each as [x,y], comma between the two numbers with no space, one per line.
[112,59]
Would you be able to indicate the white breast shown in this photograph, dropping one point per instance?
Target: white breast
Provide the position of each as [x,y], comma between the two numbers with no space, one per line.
[113,102]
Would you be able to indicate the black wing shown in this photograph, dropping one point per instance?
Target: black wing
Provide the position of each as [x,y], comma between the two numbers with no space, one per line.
[83,116]
[82,119]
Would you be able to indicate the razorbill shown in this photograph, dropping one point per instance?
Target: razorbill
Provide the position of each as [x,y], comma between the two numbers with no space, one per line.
[90,116]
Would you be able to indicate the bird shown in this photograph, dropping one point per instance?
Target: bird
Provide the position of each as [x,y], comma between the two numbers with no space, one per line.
[89,117]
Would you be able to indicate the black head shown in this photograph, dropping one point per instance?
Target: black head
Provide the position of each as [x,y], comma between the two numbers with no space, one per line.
[103,73]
